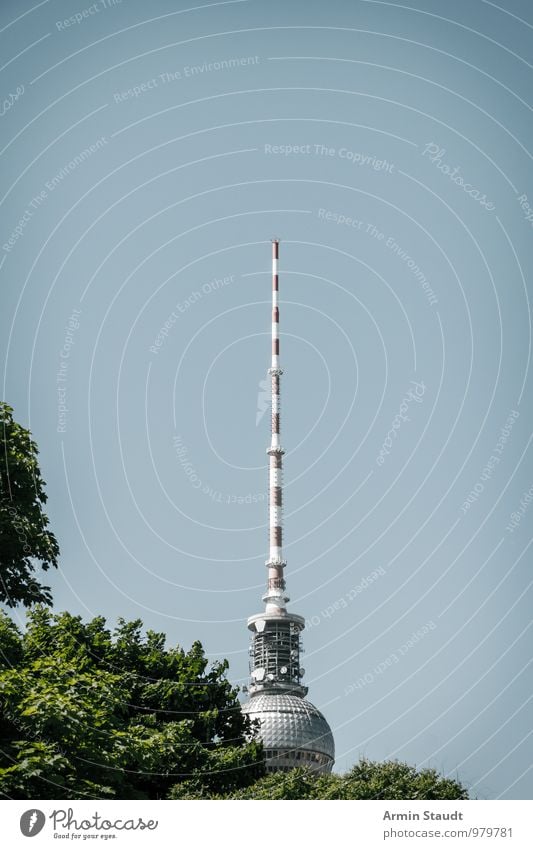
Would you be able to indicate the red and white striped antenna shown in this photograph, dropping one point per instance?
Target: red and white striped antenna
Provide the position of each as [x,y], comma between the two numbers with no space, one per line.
[275,648]
[275,597]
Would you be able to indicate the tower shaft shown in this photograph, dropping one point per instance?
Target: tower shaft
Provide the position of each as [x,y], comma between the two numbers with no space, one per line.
[275,598]
[275,650]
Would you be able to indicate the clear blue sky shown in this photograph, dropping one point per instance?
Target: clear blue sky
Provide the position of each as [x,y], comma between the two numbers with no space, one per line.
[149,153]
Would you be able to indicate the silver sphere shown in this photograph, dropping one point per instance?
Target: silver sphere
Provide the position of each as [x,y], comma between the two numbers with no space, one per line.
[293,731]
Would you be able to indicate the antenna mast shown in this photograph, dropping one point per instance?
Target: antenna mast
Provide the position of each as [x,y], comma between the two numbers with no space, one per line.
[275,597]
[275,649]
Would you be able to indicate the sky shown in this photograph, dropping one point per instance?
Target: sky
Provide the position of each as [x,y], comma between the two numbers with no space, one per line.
[150,153]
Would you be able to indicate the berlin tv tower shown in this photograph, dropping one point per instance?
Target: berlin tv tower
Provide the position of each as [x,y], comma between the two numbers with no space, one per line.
[293,731]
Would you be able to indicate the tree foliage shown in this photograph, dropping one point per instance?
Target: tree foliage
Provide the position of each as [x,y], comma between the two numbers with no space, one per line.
[24,535]
[366,780]
[90,713]
[86,712]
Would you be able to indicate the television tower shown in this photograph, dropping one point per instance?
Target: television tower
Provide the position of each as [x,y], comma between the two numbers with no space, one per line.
[293,731]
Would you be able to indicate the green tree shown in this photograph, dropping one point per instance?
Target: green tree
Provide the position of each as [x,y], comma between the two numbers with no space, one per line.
[397,780]
[24,536]
[86,712]
[366,780]
[89,713]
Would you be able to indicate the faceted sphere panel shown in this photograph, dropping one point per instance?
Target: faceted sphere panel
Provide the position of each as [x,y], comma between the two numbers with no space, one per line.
[289,722]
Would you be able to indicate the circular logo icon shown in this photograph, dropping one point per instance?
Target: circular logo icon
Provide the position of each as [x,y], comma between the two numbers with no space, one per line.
[32,822]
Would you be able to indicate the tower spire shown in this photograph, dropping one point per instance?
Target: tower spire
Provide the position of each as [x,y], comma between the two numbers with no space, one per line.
[275,597]
[275,649]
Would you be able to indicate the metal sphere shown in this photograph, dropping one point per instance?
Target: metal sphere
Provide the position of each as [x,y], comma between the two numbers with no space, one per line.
[293,731]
